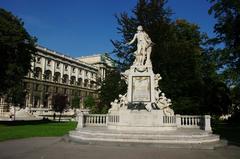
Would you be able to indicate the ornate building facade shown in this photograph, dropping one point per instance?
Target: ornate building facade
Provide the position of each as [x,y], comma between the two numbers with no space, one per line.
[54,73]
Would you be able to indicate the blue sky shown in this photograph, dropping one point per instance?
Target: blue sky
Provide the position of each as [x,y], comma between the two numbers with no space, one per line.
[85,27]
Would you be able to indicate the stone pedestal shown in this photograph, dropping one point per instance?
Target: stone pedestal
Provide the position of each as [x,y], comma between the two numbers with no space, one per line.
[140,84]
[144,107]
[142,120]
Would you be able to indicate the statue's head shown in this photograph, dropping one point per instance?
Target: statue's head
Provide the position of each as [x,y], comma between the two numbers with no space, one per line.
[140,28]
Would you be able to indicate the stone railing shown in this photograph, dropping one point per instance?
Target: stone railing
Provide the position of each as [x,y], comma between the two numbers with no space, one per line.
[95,119]
[113,118]
[169,120]
[194,121]
[180,121]
[189,121]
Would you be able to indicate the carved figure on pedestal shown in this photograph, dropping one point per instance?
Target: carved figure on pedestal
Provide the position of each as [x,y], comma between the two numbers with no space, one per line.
[157,77]
[114,106]
[144,46]
[119,103]
[123,100]
[125,76]
[164,103]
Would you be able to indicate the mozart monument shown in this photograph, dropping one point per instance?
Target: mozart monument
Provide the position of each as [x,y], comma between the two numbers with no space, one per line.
[142,92]
[143,113]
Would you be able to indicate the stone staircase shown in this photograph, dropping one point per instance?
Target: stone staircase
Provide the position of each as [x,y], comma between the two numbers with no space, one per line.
[179,136]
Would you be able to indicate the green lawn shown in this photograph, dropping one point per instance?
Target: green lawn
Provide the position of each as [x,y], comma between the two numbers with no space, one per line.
[25,129]
[230,132]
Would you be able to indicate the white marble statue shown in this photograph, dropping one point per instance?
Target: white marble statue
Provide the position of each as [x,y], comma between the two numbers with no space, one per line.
[123,100]
[157,77]
[114,106]
[144,47]
[125,76]
[142,83]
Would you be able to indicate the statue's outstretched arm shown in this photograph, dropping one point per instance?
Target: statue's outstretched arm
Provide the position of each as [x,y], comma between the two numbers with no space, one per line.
[134,38]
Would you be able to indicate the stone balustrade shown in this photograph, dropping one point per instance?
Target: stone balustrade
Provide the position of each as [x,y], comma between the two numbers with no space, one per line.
[189,121]
[95,119]
[194,121]
[169,120]
[113,119]
[181,121]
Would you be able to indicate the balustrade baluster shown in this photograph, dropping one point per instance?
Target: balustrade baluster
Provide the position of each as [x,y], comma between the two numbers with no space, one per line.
[97,119]
[89,119]
[101,119]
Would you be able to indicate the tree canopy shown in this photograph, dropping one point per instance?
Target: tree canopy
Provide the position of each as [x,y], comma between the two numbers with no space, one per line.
[178,55]
[110,88]
[60,103]
[17,48]
[227,14]
[227,45]
[90,103]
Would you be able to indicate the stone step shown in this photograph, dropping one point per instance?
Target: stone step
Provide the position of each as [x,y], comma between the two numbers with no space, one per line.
[182,139]
[143,138]
[107,134]
[149,140]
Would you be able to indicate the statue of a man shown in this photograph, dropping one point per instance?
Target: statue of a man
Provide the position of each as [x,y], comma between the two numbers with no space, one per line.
[144,45]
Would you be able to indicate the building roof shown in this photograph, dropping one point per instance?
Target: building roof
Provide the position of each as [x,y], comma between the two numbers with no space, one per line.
[61,55]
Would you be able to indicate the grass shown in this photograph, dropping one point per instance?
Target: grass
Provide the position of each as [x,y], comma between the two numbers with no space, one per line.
[25,129]
[228,131]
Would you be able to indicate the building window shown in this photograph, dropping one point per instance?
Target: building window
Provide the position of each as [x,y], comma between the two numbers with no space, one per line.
[66,67]
[38,59]
[46,88]
[58,64]
[56,90]
[49,62]
[36,87]
[80,71]
[73,69]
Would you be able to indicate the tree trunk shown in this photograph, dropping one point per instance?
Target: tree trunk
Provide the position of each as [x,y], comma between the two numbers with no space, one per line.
[14,114]
[60,117]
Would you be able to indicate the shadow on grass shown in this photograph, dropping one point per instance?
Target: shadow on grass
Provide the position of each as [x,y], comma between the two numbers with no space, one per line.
[29,122]
[228,131]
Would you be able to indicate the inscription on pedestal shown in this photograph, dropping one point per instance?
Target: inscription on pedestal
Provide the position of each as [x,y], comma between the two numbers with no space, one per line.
[141,89]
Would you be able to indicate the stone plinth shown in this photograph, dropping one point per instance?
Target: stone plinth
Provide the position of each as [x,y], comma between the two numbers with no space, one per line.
[140,85]
[179,136]
[139,120]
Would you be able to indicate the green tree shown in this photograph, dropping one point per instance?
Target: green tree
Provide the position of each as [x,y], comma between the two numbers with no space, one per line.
[89,102]
[16,97]
[227,14]
[17,48]
[235,94]
[110,88]
[60,103]
[176,55]
[75,102]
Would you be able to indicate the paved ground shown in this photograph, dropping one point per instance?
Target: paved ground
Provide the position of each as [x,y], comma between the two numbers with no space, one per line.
[57,148]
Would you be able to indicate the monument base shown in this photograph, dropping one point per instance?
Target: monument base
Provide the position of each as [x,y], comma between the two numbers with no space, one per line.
[179,136]
[140,120]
